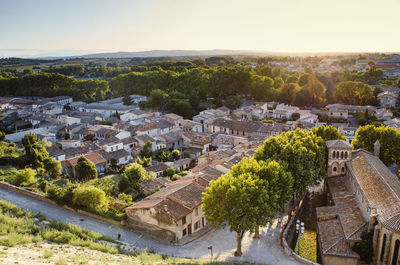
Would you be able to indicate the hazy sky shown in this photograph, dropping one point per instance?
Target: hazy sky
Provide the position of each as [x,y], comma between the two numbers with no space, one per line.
[86,26]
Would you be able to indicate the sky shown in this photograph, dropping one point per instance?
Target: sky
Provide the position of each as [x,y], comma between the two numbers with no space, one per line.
[73,27]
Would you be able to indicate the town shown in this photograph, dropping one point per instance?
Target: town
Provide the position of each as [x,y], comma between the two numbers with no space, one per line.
[149,169]
[200,132]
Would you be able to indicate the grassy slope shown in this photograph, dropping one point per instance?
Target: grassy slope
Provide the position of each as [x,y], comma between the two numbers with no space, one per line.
[26,237]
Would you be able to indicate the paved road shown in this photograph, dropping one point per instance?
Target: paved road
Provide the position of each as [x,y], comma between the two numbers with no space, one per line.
[265,250]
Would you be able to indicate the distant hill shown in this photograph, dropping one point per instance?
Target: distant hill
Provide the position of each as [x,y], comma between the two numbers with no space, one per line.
[168,53]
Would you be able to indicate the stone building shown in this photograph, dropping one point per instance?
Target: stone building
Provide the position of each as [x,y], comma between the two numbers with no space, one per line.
[171,213]
[362,195]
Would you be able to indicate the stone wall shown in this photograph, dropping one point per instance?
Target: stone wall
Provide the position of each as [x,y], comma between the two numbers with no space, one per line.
[288,235]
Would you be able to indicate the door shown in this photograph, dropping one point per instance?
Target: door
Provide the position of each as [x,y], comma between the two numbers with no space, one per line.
[189,227]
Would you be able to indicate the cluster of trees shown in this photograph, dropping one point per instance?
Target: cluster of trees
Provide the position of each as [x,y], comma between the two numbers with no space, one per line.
[180,86]
[257,188]
[52,84]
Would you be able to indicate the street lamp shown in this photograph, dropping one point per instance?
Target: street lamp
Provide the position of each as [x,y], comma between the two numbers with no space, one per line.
[211,248]
[300,232]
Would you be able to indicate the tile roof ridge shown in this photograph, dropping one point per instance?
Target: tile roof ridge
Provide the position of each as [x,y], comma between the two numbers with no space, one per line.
[334,244]
[169,197]
[355,231]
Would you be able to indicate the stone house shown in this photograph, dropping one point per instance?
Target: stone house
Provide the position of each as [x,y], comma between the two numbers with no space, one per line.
[171,213]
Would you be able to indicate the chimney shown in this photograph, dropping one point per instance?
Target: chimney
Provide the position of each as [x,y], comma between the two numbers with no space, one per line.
[377,148]
[165,208]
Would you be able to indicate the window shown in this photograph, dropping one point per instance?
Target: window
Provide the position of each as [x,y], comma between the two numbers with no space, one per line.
[383,247]
[342,169]
[184,220]
[196,211]
[341,155]
[196,225]
[334,154]
[334,169]
[184,232]
[345,155]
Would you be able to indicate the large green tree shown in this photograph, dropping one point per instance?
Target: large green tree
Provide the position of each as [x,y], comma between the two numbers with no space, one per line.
[302,151]
[85,169]
[238,201]
[328,132]
[356,93]
[389,139]
[35,152]
[132,177]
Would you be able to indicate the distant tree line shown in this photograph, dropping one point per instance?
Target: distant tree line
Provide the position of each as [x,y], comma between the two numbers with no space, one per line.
[182,86]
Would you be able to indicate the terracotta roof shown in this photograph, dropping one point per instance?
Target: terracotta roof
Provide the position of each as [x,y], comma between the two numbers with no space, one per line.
[168,206]
[95,157]
[332,241]
[147,127]
[186,193]
[54,151]
[173,116]
[245,126]
[379,186]
[338,144]
[153,184]
[157,168]
[162,124]
[393,223]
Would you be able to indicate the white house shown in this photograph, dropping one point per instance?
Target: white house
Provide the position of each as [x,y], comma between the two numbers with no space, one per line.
[65,144]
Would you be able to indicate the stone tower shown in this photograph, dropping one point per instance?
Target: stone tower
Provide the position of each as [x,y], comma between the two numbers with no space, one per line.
[339,152]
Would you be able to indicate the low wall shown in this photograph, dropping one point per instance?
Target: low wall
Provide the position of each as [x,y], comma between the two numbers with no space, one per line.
[42,198]
[285,234]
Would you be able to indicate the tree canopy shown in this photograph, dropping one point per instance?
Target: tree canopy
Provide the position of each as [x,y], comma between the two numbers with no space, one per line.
[302,151]
[85,169]
[328,132]
[389,139]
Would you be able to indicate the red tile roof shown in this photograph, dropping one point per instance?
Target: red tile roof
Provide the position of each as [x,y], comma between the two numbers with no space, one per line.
[94,157]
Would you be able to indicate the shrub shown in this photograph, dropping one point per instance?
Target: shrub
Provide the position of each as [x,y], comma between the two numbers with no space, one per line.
[176,154]
[176,177]
[133,175]
[90,198]
[13,239]
[25,177]
[125,198]
[170,171]
[61,195]
[47,254]
[58,236]
[52,166]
